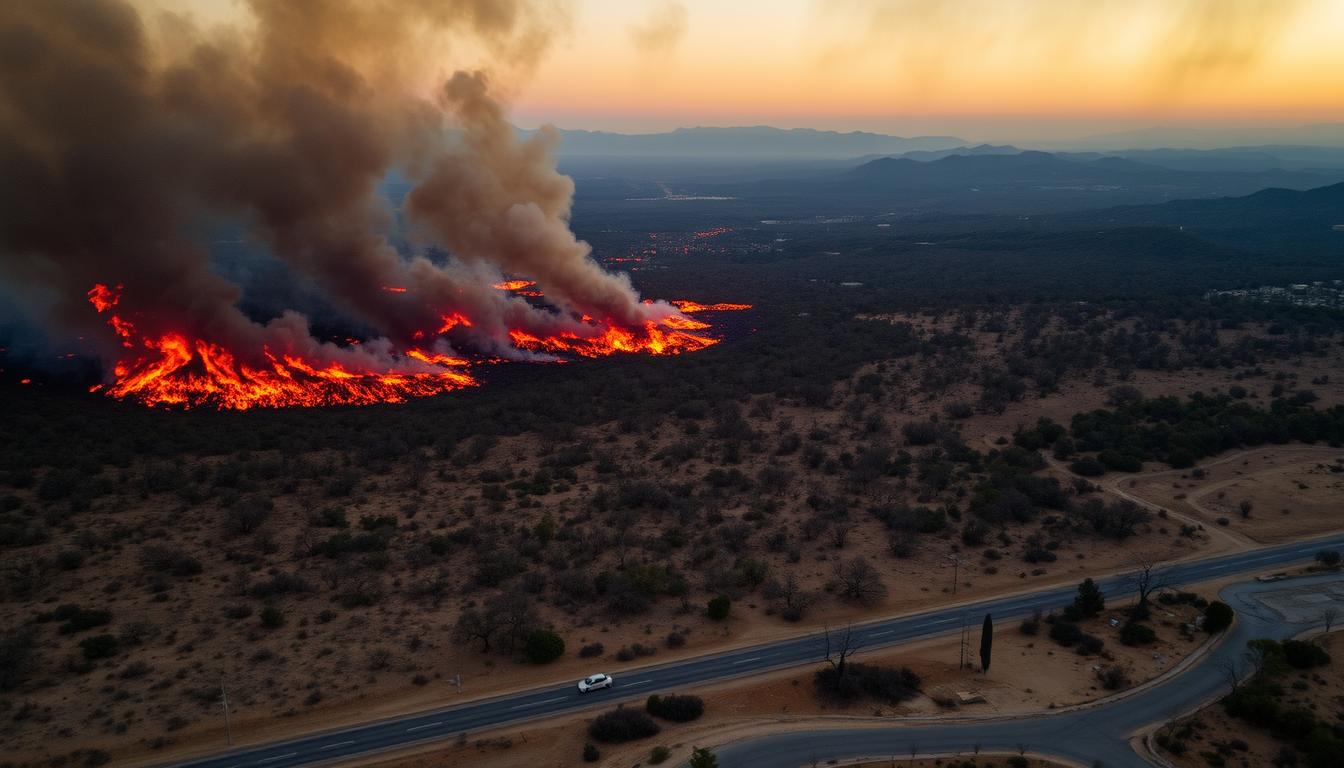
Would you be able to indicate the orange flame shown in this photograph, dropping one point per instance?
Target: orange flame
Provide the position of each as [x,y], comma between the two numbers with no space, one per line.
[394,289]
[176,369]
[690,307]
[514,285]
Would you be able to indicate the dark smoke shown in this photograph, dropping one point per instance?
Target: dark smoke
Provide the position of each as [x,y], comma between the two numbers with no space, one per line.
[122,132]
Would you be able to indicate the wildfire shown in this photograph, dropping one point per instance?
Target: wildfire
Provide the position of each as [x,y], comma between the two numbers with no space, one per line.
[177,369]
[520,287]
[691,307]
[664,338]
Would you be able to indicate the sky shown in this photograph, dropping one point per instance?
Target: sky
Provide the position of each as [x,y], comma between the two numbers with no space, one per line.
[991,70]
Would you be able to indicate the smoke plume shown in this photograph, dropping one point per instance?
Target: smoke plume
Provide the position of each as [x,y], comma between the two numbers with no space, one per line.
[125,133]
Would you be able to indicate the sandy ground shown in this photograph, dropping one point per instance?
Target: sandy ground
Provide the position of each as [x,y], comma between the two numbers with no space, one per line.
[1295,491]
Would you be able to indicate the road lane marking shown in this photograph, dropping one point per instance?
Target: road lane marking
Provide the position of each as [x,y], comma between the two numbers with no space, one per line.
[538,703]
[883,632]
[744,661]
[638,682]
[277,757]
[337,744]
[943,621]
[423,727]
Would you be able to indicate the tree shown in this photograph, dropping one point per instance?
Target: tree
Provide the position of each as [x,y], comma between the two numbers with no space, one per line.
[544,646]
[1089,601]
[986,642]
[1328,618]
[703,758]
[1217,617]
[859,581]
[718,607]
[1328,557]
[1147,580]
[840,648]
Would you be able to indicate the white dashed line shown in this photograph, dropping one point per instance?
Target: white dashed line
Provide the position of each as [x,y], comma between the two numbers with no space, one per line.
[638,682]
[883,632]
[337,744]
[538,703]
[744,661]
[277,757]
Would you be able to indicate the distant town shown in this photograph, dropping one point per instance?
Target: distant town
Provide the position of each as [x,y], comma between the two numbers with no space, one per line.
[1320,293]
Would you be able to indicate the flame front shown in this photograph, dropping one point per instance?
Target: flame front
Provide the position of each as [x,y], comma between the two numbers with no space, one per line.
[176,369]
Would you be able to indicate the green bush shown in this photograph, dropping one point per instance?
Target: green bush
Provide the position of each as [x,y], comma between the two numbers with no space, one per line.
[623,725]
[272,617]
[678,709]
[718,607]
[1134,633]
[99,647]
[590,753]
[544,646]
[659,755]
[1217,617]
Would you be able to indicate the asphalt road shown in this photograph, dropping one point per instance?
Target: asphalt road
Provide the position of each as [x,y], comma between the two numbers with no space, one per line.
[680,676]
[1086,736]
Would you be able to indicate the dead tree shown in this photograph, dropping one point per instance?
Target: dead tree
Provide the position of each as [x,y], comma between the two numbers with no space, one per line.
[839,648]
[1147,580]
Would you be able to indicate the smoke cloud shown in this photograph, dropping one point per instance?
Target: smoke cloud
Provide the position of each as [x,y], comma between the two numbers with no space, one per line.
[663,31]
[124,133]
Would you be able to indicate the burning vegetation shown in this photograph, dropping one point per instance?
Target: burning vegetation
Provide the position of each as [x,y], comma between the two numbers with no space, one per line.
[287,130]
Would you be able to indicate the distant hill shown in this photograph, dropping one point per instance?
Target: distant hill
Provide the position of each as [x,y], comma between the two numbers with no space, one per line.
[1025,182]
[1272,216]
[746,143]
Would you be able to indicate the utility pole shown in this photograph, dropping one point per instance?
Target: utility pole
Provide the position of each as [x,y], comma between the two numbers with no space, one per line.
[957,562]
[965,643]
[224,699]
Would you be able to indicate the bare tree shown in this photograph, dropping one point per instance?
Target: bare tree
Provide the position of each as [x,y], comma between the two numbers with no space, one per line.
[839,648]
[1231,669]
[1146,580]
[859,581]
[790,595]
[1328,618]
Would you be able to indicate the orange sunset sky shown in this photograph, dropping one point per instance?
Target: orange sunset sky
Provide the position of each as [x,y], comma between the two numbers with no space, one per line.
[987,69]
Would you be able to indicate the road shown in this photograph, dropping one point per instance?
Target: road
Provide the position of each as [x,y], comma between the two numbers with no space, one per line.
[680,675]
[1088,736]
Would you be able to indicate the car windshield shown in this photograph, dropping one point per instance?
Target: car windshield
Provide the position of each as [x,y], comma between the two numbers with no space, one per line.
[596,679]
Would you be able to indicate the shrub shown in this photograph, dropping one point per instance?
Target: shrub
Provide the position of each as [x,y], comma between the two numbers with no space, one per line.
[1066,634]
[718,607]
[1088,468]
[1328,557]
[678,709]
[659,754]
[590,753]
[1301,654]
[591,650]
[81,619]
[99,647]
[544,646]
[888,684]
[1031,625]
[1113,677]
[1217,617]
[622,725]
[1134,633]
[272,617]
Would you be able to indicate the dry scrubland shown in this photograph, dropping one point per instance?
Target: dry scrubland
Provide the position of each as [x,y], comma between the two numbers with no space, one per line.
[1213,737]
[333,587]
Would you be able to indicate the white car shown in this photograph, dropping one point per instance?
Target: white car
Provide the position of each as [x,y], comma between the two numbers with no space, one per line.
[595,682]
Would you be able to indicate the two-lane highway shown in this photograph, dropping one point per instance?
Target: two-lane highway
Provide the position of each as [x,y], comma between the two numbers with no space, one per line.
[680,675]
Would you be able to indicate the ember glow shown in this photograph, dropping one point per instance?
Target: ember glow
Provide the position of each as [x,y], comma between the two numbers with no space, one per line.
[177,370]
[691,307]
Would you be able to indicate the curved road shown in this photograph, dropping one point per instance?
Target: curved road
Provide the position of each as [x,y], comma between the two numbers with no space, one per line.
[679,675]
[1085,735]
